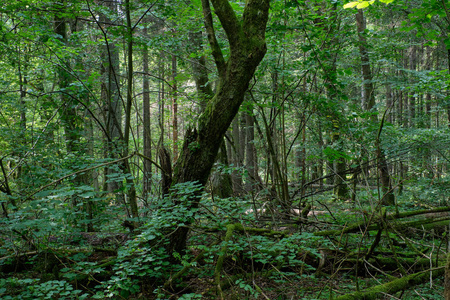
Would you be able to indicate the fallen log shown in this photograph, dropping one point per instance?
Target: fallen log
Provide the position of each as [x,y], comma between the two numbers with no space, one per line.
[361,226]
[394,286]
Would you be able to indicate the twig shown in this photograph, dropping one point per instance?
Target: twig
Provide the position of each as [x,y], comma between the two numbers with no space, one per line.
[78,172]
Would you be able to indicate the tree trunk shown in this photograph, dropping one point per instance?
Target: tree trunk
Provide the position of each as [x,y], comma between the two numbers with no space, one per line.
[161,99]
[412,98]
[69,117]
[247,48]
[447,279]
[340,190]
[174,108]
[89,178]
[448,92]
[330,81]
[389,104]
[320,145]
[221,182]
[250,153]
[236,158]
[242,140]
[110,94]
[23,113]
[132,199]
[199,70]
[369,104]
[147,132]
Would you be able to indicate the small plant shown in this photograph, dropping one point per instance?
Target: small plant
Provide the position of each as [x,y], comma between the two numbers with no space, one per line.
[247,288]
[190,296]
[28,289]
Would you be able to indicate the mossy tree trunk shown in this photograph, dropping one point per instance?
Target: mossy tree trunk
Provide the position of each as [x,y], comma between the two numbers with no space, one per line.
[221,184]
[246,39]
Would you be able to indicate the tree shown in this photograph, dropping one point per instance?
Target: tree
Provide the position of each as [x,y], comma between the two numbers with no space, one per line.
[368,103]
[110,94]
[147,133]
[246,38]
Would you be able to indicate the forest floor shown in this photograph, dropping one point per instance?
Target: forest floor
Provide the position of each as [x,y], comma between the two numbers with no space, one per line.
[335,252]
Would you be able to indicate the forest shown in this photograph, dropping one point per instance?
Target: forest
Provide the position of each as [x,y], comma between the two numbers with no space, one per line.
[225,149]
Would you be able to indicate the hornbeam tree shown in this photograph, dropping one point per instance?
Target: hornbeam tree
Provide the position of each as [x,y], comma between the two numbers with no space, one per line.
[246,39]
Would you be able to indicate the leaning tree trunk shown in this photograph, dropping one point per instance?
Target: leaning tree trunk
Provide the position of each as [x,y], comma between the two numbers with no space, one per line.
[221,184]
[246,39]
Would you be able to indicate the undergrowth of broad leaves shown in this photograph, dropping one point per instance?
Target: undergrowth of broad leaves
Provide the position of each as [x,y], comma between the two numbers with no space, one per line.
[239,248]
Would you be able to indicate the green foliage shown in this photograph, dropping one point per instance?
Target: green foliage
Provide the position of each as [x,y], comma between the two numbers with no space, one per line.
[27,289]
[247,288]
[360,4]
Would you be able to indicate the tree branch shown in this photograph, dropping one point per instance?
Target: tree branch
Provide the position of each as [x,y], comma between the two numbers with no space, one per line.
[230,23]
[254,19]
[76,173]
[215,48]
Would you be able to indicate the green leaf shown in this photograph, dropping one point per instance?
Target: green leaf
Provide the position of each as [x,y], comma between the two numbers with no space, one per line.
[362,4]
[351,4]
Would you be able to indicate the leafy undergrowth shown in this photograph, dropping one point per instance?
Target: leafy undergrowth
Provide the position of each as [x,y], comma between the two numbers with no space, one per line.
[234,252]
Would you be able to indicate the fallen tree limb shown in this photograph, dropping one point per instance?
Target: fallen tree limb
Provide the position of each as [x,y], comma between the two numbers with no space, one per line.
[61,251]
[262,231]
[220,259]
[180,273]
[389,263]
[85,276]
[407,214]
[230,228]
[394,286]
[251,230]
[230,280]
[375,226]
